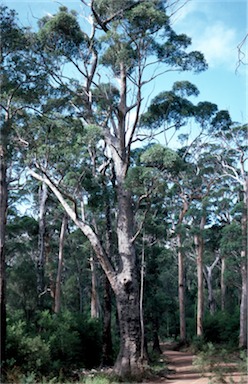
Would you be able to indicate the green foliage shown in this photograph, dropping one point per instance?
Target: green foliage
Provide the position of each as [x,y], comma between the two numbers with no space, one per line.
[215,363]
[222,328]
[61,33]
[161,157]
[56,343]
[30,353]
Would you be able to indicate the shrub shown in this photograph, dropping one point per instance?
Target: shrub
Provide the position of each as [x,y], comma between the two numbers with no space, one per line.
[222,328]
[29,353]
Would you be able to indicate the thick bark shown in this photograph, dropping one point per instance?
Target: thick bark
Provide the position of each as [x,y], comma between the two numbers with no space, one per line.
[3,217]
[181,289]
[40,264]
[127,292]
[128,363]
[57,298]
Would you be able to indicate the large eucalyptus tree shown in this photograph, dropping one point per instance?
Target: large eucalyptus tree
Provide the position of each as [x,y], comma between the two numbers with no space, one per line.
[122,49]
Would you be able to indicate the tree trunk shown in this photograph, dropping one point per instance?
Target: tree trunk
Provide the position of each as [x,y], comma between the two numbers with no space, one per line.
[107,349]
[128,363]
[198,239]
[142,274]
[243,304]
[57,299]
[181,289]
[107,346]
[156,345]
[43,194]
[208,276]
[95,306]
[3,218]
[223,283]
[243,307]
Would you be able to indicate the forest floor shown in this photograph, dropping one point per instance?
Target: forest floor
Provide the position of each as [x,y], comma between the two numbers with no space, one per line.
[182,371]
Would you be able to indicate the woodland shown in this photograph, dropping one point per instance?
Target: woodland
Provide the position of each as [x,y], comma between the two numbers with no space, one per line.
[112,241]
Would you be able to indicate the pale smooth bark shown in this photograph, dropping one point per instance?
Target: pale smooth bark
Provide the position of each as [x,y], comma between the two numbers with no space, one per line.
[40,263]
[243,304]
[57,298]
[181,288]
[95,306]
[181,270]
[208,270]
[223,283]
[199,245]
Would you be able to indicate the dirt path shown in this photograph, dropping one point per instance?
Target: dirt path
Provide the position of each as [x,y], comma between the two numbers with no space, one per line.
[181,370]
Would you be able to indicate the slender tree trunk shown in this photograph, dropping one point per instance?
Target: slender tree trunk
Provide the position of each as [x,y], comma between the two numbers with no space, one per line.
[57,299]
[181,289]
[107,346]
[43,195]
[142,274]
[223,283]
[208,276]
[107,349]
[95,306]
[243,303]
[3,219]
[156,345]
[198,239]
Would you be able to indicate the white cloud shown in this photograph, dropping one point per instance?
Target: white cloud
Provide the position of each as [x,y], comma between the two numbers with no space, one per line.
[218,43]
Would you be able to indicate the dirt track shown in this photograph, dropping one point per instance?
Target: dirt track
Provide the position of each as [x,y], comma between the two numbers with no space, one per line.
[181,370]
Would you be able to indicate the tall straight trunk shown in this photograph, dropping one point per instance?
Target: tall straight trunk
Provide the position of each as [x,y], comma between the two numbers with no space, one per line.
[57,298]
[199,245]
[243,303]
[95,306]
[107,345]
[3,218]
[181,289]
[142,275]
[223,283]
[40,265]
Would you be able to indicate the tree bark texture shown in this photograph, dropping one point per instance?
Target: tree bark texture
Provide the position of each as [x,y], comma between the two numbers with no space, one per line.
[107,348]
[3,219]
[95,306]
[208,276]
[57,299]
[243,304]
[199,245]
[223,283]
[128,363]
[181,289]
[40,265]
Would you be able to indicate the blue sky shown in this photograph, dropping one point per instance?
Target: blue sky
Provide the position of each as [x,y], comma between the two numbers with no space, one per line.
[216,29]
